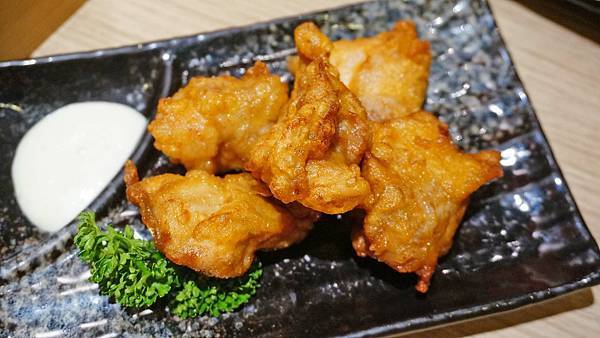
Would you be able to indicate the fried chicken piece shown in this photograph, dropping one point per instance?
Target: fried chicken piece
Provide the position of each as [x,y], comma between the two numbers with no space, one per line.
[420,186]
[213,122]
[388,72]
[312,154]
[214,225]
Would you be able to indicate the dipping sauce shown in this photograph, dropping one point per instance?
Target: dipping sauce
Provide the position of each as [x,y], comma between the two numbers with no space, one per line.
[66,159]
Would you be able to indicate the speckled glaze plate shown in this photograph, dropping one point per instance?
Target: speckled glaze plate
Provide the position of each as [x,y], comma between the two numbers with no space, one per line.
[522,241]
[592,6]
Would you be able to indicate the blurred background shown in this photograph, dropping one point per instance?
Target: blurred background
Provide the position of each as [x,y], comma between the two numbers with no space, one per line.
[40,27]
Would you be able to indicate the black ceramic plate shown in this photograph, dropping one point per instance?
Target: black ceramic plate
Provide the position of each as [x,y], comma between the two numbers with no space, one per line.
[592,6]
[522,240]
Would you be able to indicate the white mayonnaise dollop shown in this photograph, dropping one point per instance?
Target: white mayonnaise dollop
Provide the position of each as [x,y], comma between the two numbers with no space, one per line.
[66,159]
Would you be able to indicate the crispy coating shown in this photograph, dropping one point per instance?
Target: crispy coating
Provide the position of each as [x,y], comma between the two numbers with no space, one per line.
[214,225]
[213,122]
[312,154]
[387,72]
[420,186]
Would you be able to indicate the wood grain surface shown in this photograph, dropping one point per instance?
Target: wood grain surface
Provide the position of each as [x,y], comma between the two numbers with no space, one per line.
[556,52]
[25,24]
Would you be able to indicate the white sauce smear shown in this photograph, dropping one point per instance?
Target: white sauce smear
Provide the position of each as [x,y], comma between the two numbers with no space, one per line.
[68,158]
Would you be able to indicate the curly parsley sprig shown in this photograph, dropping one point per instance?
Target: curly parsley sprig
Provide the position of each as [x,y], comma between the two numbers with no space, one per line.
[212,296]
[136,274]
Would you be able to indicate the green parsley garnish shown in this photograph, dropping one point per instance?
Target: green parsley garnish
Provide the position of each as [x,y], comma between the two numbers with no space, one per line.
[136,274]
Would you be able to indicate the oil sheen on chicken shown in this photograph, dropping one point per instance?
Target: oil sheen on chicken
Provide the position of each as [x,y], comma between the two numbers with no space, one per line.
[420,186]
[213,122]
[312,154]
[387,72]
[214,225]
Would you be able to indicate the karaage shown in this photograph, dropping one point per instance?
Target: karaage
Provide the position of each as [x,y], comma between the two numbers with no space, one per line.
[214,225]
[213,122]
[420,186]
[313,152]
[387,72]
